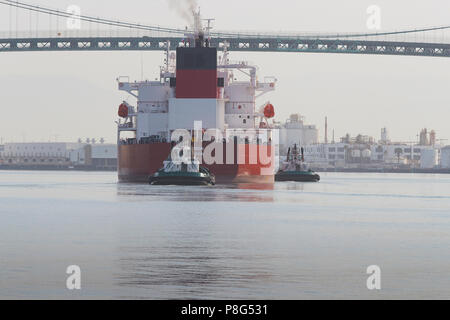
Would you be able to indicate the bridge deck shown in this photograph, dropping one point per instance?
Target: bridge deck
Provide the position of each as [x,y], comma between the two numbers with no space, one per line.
[235,44]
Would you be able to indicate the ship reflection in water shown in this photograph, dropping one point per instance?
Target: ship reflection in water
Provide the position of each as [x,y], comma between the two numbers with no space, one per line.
[254,192]
[205,253]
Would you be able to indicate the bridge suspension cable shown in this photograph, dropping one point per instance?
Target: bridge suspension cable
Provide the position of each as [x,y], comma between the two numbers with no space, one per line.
[236,34]
[58,13]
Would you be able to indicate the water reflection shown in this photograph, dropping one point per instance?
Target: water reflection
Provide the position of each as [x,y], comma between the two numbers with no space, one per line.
[191,271]
[237,192]
[195,254]
[253,186]
[298,240]
[293,186]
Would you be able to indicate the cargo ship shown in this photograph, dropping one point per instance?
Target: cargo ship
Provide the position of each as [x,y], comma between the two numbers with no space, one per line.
[198,106]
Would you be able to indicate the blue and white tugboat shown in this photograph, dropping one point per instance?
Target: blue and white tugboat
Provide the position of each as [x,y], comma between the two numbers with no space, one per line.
[295,168]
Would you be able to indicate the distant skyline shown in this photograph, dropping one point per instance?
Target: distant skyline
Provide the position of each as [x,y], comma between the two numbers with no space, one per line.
[74,94]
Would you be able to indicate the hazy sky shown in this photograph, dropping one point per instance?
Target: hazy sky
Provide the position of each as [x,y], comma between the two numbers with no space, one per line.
[72,95]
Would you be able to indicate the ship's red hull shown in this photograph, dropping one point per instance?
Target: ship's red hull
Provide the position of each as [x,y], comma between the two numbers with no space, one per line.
[137,162]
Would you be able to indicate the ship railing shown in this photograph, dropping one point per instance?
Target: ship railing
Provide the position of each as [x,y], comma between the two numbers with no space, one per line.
[246,140]
[126,125]
[148,140]
[152,139]
[129,141]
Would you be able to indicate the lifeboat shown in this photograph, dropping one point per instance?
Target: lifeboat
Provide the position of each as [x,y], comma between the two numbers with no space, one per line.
[269,111]
[123,110]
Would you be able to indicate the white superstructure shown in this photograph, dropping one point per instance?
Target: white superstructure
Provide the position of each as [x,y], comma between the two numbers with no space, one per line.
[158,111]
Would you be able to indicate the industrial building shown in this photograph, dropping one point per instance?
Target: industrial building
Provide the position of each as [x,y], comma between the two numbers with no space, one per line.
[295,131]
[365,152]
[58,155]
[445,157]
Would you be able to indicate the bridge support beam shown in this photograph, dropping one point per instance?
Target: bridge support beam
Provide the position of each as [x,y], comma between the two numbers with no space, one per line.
[235,44]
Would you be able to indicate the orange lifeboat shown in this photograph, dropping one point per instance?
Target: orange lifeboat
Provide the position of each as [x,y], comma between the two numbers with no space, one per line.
[123,110]
[269,111]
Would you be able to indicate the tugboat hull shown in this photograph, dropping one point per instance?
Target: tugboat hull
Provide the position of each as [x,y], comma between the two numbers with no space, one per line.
[182,179]
[297,176]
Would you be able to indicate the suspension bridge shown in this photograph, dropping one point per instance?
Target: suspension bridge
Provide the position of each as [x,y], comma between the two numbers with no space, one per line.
[125,36]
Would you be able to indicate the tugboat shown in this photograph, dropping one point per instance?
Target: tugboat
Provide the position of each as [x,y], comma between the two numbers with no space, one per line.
[295,169]
[183,174]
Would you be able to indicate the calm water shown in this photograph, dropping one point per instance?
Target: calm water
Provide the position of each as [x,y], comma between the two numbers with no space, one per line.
[297,241]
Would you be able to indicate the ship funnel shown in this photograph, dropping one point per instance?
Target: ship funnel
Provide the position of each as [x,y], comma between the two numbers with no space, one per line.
[200,40]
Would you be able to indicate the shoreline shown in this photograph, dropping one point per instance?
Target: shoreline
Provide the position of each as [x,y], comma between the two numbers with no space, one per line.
[56,168]
[318,170]
[382,170]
